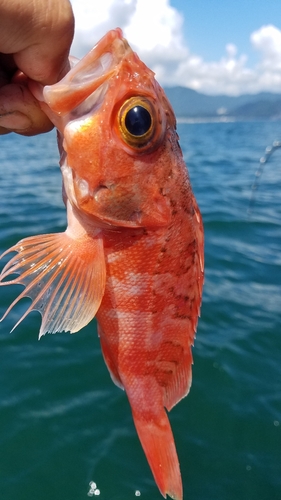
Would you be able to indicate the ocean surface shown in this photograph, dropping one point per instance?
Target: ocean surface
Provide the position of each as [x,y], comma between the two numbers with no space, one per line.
[66,430]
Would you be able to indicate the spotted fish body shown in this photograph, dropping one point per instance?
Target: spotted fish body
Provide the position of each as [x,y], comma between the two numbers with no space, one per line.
[132,254]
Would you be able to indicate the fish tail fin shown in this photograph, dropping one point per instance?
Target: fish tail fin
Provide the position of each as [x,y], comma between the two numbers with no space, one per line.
[157,440]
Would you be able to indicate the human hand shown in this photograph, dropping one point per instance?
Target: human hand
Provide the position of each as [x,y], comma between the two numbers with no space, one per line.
[35,37]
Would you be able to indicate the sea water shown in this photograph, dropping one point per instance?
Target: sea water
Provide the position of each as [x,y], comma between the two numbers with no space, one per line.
[66,432]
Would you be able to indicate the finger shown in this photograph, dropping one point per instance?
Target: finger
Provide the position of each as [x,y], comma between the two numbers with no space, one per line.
[7,69]
[38,34]
[20,112]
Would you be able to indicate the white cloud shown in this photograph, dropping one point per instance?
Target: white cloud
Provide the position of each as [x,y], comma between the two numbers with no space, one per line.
[94,18]
[158,40]
[267,40]
[156,37]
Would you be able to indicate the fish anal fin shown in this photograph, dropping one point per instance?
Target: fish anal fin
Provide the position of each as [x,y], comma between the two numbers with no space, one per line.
[64,277]
[172,370]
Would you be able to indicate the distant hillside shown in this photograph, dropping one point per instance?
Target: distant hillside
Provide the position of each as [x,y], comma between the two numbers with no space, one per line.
[191,104]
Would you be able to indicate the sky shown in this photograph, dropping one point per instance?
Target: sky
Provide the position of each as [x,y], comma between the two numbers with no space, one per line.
[229,47]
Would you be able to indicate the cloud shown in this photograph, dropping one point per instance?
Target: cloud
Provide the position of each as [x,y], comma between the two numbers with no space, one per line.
[267,41]
[159,41]
[157,36]
[94,19]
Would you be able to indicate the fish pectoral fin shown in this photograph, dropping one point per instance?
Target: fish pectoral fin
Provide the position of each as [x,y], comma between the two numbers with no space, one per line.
[64,277]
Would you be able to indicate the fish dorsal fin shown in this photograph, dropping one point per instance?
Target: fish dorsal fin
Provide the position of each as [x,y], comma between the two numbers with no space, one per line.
[64,277]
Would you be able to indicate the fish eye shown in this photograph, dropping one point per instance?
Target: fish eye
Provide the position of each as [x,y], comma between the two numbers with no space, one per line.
[136,122]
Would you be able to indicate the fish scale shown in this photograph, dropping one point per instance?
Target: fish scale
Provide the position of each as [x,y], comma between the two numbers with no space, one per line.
[132,253]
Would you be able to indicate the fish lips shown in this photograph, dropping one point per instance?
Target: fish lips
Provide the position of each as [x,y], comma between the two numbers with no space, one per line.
[114,204]
[88,74]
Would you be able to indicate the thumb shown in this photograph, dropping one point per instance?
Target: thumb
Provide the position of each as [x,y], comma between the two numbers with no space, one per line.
[39,36]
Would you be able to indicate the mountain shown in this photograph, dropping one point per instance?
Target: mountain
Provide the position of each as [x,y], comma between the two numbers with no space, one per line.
[188,103]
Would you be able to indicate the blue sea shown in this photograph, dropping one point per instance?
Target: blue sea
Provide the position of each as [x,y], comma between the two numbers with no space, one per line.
[66,431]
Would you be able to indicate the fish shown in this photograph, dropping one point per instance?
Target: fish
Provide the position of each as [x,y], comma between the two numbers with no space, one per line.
[132,254]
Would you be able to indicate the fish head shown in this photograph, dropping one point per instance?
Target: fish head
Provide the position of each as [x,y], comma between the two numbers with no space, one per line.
[118,136]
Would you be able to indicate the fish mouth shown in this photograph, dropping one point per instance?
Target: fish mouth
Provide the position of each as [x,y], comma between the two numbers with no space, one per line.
[108,205]
[77,190]
[84,84]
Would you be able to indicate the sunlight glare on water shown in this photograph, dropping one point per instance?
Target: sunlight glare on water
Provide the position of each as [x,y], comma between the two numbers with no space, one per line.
[93,489]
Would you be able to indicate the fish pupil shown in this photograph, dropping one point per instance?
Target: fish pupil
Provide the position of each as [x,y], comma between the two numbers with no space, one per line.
[138,121]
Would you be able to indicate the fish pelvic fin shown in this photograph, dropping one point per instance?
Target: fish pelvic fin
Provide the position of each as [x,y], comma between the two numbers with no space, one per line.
[64,277]
[156,437]
[109,359]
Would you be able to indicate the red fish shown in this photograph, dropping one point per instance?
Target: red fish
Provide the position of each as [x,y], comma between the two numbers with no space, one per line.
[132,253]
